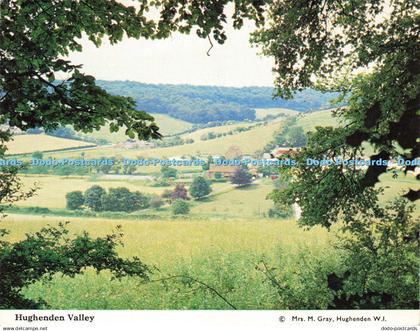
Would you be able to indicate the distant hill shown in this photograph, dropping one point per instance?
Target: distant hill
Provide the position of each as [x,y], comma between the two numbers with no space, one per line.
[202,104]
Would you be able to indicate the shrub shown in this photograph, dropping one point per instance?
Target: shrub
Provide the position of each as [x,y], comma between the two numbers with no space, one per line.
[75,200]
[138,201]
[180,207]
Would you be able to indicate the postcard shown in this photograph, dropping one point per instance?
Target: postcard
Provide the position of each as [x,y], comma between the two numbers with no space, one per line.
[212,165]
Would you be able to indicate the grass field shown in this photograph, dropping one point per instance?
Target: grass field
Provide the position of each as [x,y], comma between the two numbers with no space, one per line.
[247,202]
[30,143]
[223,254]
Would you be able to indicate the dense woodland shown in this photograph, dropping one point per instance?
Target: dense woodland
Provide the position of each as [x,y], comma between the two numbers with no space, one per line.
[202,104]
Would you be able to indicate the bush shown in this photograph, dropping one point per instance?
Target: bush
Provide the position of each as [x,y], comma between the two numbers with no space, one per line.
[180,207]
[179,192]
[168,172]
[280,212]
[161,183]
[75,200]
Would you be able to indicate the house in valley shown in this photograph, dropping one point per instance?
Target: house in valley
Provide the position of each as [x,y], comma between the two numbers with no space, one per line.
[224,170]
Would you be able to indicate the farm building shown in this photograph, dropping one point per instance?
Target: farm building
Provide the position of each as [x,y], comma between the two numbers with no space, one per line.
[225,171]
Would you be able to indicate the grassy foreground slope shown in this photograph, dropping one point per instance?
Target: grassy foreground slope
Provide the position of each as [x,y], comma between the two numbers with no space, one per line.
[223,254]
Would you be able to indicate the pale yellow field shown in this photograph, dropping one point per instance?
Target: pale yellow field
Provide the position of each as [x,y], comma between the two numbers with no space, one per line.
[167,242]
[30,143]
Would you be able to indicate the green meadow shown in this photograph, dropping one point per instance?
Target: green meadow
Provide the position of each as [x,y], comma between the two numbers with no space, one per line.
[225,255]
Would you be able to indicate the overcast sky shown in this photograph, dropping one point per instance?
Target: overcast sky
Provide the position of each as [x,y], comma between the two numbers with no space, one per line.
[181,59]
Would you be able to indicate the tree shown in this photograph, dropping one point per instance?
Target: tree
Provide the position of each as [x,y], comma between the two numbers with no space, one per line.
[121,199]
[52,250]
[179,192]
[75,200]
[168,172]
[180,207]
[117,199]
[93,197]
[206,165]
[199,188]
[380,264]
[324,44]
[36,37]
[138,201]
[241,177]
[296,136]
